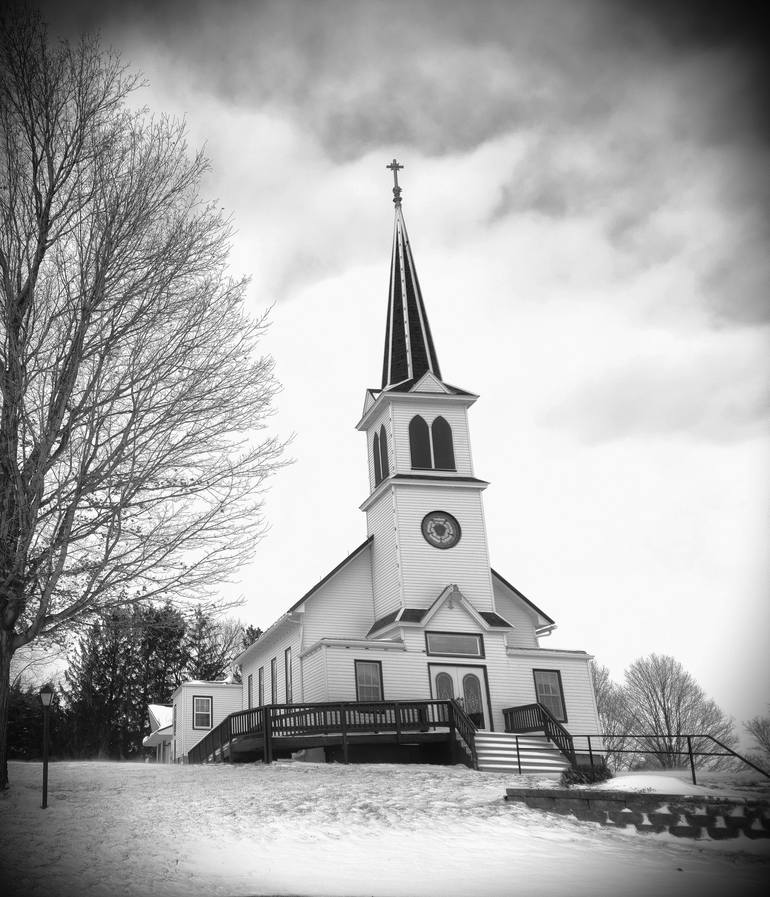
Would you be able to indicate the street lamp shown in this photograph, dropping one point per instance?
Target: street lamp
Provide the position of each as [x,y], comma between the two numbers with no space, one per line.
[46,697]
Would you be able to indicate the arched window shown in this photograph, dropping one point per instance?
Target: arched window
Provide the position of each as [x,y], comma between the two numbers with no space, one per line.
[443,450]
[376,455]
[384,465]
[445,689]
[419,443]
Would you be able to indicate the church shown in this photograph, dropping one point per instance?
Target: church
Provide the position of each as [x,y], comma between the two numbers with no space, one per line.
[416,618]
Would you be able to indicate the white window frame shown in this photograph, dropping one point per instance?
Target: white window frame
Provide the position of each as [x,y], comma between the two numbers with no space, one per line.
[202,713]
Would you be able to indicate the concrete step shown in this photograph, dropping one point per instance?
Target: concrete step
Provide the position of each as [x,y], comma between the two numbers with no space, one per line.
[497,752]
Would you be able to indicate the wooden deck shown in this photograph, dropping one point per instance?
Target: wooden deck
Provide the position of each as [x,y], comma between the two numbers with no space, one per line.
[262,733]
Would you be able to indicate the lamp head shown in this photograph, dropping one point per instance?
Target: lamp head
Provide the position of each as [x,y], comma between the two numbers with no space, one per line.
[46,695]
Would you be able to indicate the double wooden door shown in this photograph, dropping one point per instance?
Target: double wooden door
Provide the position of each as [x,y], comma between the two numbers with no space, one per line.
[465,684]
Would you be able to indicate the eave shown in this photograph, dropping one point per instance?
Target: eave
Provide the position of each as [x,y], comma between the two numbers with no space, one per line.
[385,395]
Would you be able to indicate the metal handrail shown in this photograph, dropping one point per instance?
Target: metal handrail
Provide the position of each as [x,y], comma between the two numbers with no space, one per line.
[684,738]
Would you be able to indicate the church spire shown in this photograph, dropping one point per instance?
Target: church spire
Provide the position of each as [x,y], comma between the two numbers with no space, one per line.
[409,350]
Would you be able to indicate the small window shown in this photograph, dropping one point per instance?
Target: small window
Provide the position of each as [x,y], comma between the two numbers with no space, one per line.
[202,712]
[419,444]
[368,680]
[377,462]
[250,692]
[550,693]
[455,644]
[274,681]
[443,449]
[173,721]
[261,686]
[287,675]
[384,466]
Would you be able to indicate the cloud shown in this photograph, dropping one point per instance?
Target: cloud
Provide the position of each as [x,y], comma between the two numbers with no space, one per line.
[711,394]
[642,119]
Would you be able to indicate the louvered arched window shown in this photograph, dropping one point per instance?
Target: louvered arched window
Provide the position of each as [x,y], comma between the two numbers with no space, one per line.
[377,462]
[443,449]
[384,465]
[419,443]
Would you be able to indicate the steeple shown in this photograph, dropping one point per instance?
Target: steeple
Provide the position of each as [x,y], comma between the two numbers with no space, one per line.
[409,351]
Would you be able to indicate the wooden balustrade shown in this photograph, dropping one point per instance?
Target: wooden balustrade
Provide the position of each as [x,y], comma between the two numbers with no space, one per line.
[330,718]
[537,718]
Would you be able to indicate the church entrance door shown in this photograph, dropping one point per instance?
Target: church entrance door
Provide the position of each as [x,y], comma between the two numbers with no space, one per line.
[466,684]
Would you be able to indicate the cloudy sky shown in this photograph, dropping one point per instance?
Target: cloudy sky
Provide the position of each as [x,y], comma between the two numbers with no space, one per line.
[586,194]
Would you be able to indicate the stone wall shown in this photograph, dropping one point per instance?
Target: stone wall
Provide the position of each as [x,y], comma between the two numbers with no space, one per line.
[686,816]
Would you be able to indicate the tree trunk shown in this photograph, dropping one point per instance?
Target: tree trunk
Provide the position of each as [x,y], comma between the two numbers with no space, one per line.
[6,653]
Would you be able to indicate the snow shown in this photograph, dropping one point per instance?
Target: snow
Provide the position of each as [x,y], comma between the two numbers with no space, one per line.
[317,829]
[678,782]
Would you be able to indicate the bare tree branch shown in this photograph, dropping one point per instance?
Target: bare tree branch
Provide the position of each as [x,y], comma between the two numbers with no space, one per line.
[132,396]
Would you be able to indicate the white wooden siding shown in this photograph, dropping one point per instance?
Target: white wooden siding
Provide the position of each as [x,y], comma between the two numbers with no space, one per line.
[342,607]
[275,646]
[579,701]
[515,611]
[455,415]
[314,677]
[226,699]
[426,570]
[404,675]
[386,583]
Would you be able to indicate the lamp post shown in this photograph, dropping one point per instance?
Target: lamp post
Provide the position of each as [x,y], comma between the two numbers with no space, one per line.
[46,697]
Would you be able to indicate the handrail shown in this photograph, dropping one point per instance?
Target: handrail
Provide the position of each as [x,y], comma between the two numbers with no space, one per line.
[537,717]
[466,729]
[644,744]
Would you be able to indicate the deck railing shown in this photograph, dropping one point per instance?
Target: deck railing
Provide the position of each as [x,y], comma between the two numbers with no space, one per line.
[329,718]
[537,718]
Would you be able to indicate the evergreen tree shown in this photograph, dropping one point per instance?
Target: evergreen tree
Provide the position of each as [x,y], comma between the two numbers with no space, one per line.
[212,646]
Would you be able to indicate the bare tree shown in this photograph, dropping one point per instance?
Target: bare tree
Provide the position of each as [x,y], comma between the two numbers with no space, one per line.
[613,716]
[130,462]
[664,704]
[759,729]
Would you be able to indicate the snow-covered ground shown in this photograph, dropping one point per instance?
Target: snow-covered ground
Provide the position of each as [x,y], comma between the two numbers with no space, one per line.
[310,829]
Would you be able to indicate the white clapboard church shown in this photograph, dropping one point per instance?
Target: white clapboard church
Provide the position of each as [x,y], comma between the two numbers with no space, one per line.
[414,646]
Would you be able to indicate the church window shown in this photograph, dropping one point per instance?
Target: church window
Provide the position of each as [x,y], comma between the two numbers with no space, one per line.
[377,461]
[454,644]
[419,443]
[368,680]
[384,466]
[261,686]
[550,693]
[274,681]
[443,450]
[287,675]
[201,712]
[445,689]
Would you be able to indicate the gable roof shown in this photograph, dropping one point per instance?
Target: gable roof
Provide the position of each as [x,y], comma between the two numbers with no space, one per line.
[548,623]
[342,564]
[419,615]
[160,716]
[285,616]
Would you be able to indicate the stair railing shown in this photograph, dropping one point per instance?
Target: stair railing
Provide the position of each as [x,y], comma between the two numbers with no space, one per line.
[538,718]
[465,728]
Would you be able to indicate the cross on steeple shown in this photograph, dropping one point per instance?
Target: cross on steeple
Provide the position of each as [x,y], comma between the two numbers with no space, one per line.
[395,168]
